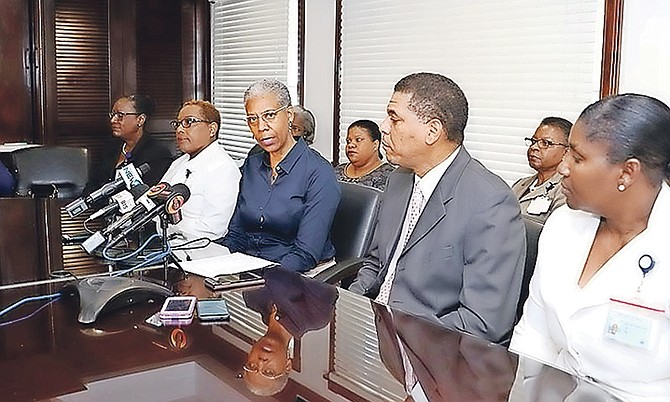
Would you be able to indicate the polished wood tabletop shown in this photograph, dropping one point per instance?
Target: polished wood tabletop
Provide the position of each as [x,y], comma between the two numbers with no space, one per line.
[345,347]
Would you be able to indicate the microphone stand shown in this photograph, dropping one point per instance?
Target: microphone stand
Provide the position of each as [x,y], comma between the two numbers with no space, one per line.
[164,246]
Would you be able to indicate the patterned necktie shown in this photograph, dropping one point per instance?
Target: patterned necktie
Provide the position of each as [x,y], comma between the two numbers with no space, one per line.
[413,213]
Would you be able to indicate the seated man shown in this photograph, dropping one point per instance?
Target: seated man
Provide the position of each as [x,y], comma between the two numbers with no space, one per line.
[449,243]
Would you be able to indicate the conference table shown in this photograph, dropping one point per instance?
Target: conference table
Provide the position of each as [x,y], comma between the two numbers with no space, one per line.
[345,347]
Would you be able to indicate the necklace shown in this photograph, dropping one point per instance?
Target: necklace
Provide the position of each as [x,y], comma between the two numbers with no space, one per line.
[347,170]
[126,154]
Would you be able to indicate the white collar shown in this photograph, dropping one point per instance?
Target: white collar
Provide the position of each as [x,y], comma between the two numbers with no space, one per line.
[429,181]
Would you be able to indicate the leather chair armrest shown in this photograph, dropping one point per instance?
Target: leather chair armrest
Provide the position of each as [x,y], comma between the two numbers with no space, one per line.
[341,271]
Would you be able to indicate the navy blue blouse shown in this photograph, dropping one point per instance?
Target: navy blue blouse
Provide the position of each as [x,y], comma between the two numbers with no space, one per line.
[7,181]
[287,221]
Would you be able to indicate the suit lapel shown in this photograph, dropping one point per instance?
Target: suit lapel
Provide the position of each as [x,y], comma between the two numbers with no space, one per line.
[398,197]
[436,207]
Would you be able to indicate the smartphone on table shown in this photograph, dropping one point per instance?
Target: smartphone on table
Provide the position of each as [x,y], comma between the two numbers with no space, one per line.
[212,310]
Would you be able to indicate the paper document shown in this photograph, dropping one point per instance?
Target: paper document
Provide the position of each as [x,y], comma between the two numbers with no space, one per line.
[224,264]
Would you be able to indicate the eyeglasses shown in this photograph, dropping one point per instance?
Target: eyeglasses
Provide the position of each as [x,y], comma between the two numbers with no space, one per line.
[542,143]
[121,115]
[267,373]
[267,117]
[186,123]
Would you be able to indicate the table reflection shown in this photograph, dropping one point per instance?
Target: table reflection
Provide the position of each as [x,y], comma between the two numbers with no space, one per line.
[349,349]
[290,305]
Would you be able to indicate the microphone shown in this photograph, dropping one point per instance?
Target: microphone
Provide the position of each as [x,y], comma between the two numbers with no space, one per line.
[169,202]
[122,202]
[127,176]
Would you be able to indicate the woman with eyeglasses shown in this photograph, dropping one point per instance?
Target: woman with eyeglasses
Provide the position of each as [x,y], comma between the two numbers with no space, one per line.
[206,169]
[131,143]
[290,305]
[540,194]
[288,193]
[599,304]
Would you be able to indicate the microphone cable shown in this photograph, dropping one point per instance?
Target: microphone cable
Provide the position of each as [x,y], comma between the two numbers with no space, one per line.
[51,298]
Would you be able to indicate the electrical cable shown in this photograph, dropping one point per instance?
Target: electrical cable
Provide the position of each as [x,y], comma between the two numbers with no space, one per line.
[28,300]
[42,307]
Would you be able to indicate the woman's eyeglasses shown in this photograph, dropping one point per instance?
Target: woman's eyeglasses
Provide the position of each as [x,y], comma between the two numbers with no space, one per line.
[186,123]
[542,143]
[267,373]
[267,117]
[121,115]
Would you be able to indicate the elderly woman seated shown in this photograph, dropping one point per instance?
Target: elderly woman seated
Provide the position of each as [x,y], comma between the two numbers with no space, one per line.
[366,165]
[540,194]
[288,193]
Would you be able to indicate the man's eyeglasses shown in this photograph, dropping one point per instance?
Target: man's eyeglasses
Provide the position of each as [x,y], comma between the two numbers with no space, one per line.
[186,123]
[121,115]
[267,117]
[542,143]
[267,373]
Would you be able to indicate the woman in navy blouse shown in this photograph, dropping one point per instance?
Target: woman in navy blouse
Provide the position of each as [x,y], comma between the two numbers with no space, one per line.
[288,193]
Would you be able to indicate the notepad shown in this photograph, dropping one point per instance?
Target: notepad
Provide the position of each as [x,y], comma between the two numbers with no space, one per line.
[225,264]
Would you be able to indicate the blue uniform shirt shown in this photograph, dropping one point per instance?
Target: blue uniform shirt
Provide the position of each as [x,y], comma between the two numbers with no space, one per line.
[287,221]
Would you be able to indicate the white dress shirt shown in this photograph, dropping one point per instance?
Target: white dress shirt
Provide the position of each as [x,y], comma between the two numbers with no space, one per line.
[427,184]
[213,179]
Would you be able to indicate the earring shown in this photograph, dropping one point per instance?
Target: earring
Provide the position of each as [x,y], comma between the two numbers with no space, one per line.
[621,187]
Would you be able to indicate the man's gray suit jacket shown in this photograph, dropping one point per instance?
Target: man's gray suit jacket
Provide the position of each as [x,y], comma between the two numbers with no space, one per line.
[463,263]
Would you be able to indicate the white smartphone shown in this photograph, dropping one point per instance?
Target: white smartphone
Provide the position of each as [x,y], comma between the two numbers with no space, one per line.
[178,308]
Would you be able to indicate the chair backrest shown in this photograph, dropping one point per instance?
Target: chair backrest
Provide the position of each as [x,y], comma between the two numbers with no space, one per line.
[54,171]
[533,229]
[355,220]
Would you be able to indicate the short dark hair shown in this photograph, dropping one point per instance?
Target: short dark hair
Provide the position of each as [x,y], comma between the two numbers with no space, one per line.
[560,123]
[434,96]
[143,104]
[371,128]
[632,126]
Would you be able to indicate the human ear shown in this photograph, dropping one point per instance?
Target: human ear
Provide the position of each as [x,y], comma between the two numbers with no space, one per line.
[631,172]
[435,131]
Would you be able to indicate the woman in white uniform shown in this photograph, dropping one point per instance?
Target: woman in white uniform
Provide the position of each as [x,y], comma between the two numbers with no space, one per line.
[600,296]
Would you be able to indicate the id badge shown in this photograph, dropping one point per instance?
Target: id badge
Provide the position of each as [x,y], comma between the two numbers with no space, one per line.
[631,323]
[539,206]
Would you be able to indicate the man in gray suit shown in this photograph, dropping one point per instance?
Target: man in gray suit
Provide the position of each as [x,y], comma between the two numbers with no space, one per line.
[461,262]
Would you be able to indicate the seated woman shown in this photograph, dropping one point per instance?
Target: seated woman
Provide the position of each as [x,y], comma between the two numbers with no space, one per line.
[303,126]
[7,181]
[366,165]
[599,304]
[288,193]
[540,194]
[128,119]
[206,168]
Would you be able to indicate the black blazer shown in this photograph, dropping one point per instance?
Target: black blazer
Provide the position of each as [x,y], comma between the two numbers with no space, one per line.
[148,150]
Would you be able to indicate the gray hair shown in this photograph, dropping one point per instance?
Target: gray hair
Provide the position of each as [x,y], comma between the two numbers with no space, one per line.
[266,86]
[308,120]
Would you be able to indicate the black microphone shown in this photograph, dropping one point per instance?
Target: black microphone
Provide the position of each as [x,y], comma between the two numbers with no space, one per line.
[169,204]
[128,176]
[143,203]
[123,202]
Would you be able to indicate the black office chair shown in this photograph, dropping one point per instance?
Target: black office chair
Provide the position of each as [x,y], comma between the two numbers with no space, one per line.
[50,171]
[351,232]
[533,229]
